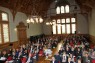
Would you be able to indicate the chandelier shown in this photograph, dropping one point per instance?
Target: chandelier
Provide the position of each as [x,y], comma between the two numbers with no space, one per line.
[34,17]
[50,22]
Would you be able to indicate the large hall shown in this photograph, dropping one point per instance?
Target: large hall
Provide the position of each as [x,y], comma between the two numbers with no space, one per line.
[47,31]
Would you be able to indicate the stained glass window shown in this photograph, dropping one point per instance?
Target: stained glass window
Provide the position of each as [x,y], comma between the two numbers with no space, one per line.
[4,28]
[62,9]
[67,20]
[73,20]
[65,25]
[73,28]
[4,17]
[58,10]
[63,21]
[63,29]
[58,21]
[54,29]
[5,33]
[59,29]
[67,8]
[68,28]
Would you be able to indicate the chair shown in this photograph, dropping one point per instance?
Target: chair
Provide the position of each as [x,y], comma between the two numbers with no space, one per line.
[41,53]
[23,60]
[9,58]
[91,46]
[93,61]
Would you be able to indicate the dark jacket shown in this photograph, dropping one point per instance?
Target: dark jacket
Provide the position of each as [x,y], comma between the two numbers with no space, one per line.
[54,61]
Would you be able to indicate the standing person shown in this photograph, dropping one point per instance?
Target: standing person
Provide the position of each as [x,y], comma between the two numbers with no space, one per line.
[64,58]
[30,59]
[53,60]
[57,57]
[86,58]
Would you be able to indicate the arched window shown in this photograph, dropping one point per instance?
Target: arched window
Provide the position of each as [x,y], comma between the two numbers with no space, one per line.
[62,9]
[58,10]
[67,8]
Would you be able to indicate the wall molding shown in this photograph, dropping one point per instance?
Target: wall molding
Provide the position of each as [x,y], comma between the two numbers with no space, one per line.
[92,39]
[14,44]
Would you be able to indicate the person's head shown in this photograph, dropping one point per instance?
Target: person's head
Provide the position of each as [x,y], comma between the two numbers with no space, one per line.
[67,48]
[14,49]
[79,60]
[31,46]
[78,49]
[20,53]
[25,51]
[53,58]
[72,49]
[86,54]
[61,48]
[57,53]
[17,49]
[64,53]
[4,52]
[13,53]
[10,49]
[29,54]
[69,59]
[23,46]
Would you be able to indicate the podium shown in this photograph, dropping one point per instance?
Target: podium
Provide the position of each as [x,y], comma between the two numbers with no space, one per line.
[21,33]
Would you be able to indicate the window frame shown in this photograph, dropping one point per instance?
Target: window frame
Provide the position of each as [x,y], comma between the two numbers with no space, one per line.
[66,26]
[59,9]
[1,24]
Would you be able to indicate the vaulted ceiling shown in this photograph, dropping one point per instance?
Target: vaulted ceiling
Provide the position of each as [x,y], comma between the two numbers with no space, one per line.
[86,5]
[26,6]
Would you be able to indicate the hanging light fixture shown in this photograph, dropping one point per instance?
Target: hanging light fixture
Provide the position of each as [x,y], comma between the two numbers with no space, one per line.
[53,22]
[34,17]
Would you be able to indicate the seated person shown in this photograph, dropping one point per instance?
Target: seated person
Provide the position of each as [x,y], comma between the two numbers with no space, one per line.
[35,56]
[86,59]
[64,57]
[69,60]
[57,57]
[53,60]
[61,51]
[4,54]
[48,52]
[78,61]
[30,59]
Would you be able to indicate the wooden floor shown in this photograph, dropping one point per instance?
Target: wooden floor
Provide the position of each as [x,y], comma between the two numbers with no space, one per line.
[44,60]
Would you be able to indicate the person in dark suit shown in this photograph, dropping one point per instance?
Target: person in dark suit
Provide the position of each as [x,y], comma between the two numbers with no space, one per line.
[86,59]
[78,52]
[69,60]
[61,51]
[57,57]
[16,59]
[4,54]
[53,60]
[78,61]
[30,59]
